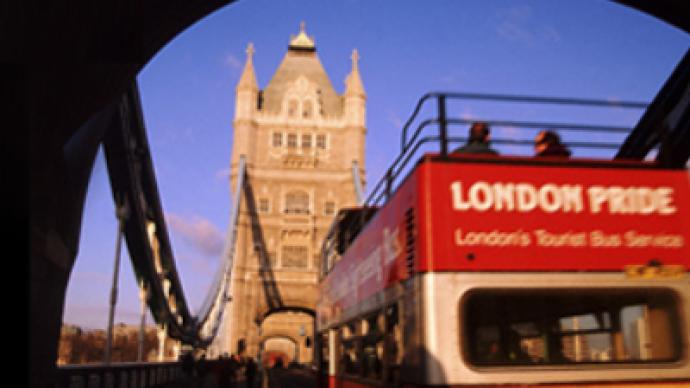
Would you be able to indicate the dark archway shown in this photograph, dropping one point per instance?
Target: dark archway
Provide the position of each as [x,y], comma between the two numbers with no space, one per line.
[77,59]
[269,357]
[300,330]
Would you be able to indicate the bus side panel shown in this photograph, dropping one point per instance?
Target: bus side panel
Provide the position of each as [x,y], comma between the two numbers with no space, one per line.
[414,354]
[375,261]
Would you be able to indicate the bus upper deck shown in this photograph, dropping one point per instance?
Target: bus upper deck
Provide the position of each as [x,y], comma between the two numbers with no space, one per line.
[476,206]
[482,269]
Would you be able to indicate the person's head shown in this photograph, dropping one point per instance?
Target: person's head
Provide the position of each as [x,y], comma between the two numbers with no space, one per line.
[479,132]
[544,139]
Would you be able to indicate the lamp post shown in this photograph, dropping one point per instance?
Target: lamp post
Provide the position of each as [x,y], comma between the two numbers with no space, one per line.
[302,333]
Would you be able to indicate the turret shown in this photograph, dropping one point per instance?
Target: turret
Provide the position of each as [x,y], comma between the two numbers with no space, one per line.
[247,92]
[355,97]
[246,101]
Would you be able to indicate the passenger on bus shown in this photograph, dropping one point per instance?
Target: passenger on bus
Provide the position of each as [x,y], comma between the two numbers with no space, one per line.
[515,351]
[548,143]
[478,142]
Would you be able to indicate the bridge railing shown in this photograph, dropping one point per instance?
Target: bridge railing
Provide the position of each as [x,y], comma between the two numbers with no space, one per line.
[121,375]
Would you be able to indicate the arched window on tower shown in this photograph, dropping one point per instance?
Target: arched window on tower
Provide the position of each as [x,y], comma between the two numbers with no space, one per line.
[307,109]
[297,202]
[293,106]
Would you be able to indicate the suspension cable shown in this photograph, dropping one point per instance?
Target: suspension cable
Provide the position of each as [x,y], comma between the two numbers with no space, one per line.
[121,212]
[359,193]
[218,293]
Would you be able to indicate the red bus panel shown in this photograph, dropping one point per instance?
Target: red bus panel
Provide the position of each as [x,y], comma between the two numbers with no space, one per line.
[375,260]
[515,216]
[512,217]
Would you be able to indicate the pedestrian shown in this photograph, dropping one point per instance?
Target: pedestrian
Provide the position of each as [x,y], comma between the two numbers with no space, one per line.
[233,368]
[188,367]
[225,377]
[201,368]
[478,141]
[548,143]
[250,371]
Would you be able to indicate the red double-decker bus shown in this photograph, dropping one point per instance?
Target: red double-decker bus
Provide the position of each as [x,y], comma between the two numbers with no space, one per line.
[478,270]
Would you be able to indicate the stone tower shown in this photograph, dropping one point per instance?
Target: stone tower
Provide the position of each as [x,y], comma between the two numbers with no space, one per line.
[300,139]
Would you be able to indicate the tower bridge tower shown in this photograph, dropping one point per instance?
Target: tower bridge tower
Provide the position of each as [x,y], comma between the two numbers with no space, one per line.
[300,139]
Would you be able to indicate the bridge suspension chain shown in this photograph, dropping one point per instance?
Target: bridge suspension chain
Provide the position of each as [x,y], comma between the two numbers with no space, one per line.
[131,173]
[210,316]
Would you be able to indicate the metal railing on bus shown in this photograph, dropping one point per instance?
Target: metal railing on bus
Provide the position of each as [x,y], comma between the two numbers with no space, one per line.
[412,143]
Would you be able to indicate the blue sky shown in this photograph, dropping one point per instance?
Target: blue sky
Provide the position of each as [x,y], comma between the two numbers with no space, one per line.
[586,49]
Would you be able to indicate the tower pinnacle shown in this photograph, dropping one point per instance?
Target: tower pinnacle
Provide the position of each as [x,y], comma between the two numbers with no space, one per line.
[302,41]
[355,59]
[248,78]
[353,82]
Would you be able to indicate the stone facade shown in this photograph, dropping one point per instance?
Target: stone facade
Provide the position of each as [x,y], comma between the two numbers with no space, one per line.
[300,139]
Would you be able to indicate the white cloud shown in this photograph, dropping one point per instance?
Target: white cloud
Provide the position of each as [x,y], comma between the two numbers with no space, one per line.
[517,24]
[198,232]
[223,174]
[233,62]
[394,119]
[514,24]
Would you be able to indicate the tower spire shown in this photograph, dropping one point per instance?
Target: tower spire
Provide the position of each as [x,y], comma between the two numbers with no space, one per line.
[355,60]
[250,52]
[353,82]
[248,79]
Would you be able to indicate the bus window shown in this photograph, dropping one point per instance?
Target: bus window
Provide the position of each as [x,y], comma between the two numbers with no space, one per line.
[570,326]
[372,346]
[392,344]
[350,343]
